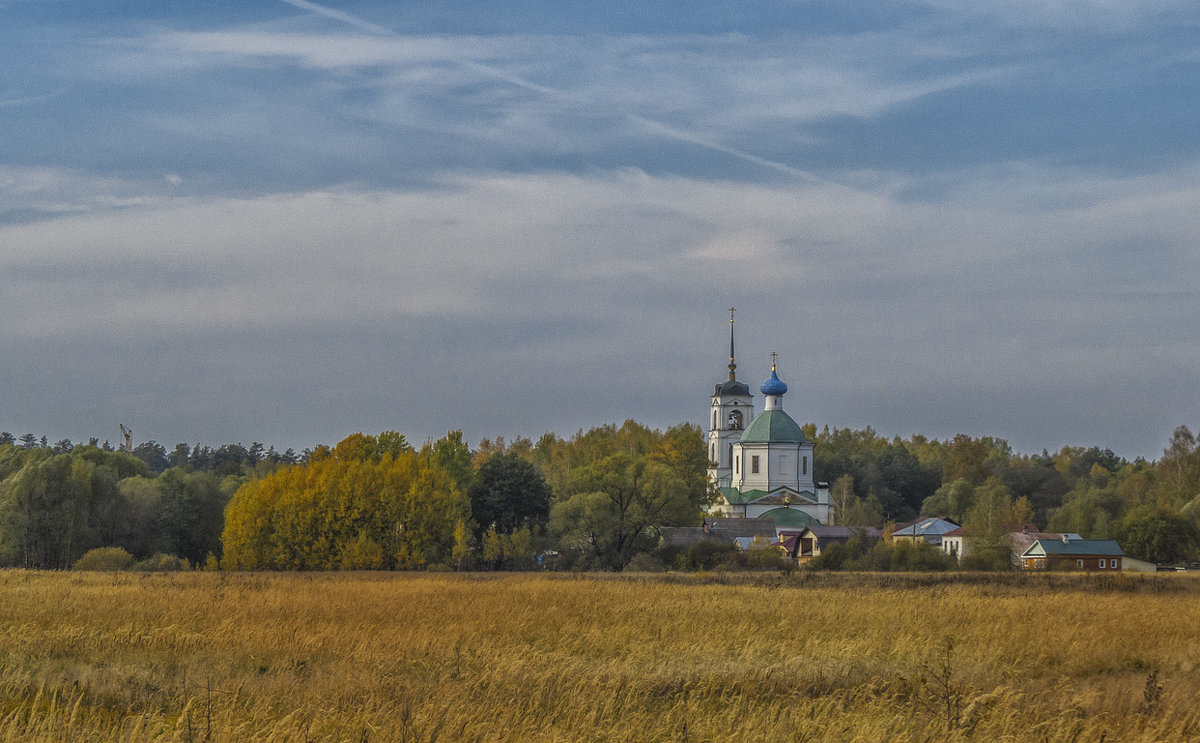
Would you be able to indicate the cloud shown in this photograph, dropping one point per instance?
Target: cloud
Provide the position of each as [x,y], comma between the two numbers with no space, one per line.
[477,244]
[946,217]
[1109,15]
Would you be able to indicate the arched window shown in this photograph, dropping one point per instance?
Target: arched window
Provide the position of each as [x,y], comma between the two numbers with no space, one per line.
[735,420]
[714,425]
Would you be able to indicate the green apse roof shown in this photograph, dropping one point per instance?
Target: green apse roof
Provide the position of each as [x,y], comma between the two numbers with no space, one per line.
[789,517]
[735,497]
[773,426]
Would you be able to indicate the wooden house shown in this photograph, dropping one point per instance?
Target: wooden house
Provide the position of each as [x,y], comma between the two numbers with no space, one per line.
[810,541]
[1079,554]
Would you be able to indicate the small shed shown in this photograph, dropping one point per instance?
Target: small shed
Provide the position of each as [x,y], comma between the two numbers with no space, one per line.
[1137,565]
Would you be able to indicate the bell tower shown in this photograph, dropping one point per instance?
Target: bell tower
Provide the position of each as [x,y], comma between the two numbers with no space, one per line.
[731,411]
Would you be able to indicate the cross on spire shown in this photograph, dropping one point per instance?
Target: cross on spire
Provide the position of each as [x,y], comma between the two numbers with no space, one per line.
[732,365]
[773,355]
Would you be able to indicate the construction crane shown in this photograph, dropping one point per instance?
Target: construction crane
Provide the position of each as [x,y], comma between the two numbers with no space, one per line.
[128,434]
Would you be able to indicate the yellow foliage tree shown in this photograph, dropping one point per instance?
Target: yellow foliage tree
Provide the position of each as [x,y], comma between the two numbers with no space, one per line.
[369,503]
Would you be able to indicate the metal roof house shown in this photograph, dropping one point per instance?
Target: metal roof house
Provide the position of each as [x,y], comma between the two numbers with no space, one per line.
[1081,554]
[736,531]
[930,530]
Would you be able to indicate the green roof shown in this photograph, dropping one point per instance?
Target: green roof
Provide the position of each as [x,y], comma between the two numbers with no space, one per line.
[1074,547]
[772,426]
[789,517]
[735,497]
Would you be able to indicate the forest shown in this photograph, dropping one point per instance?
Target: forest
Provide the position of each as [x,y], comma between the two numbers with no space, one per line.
[593,500]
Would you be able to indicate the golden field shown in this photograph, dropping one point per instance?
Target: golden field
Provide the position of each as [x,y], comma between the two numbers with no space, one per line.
[518,657]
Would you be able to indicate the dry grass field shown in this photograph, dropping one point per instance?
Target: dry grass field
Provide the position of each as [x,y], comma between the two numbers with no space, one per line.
[425,657]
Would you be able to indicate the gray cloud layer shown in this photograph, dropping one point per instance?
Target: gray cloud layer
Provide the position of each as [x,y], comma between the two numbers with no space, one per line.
[303,227]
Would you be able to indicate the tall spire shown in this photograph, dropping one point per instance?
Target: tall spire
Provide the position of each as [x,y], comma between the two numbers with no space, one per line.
[732,365]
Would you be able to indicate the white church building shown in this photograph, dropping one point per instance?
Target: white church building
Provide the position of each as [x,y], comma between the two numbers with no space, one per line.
[761,464]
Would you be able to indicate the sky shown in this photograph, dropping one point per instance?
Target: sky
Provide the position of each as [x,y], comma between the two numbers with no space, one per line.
[287,221]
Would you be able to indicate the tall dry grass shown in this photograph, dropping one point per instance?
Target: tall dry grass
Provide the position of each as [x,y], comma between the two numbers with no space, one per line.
[422,657]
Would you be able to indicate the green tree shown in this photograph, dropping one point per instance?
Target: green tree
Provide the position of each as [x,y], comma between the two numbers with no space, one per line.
[509,492]
[616,502]
[153,454]
[951,501]
[986,523]
[53,508]
[452,454]
[1158,535]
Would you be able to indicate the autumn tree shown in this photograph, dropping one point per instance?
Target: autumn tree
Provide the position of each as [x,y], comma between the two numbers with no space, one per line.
[369,503]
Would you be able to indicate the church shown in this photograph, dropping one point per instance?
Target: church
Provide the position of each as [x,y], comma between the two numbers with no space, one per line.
[762,465]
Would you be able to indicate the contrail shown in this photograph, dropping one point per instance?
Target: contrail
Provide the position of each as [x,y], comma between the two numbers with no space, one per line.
[32,98]
[684,136]
[655,126]
[338,15]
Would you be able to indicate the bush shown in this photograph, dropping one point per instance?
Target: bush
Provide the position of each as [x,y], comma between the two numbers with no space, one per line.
[767,559]
[104,559]
[705,555]
[882,557]
[836,555]
[644,563]
[163,563]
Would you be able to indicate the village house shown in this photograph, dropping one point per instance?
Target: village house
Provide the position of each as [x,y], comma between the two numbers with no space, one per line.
[1078,554]
[809,542]
[929,530]
[742,532]
[958,542]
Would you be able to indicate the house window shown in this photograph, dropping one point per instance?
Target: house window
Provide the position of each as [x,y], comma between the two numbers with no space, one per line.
[1103,563]
[1115,563]
[804,465]
[1079,563]
[754,465]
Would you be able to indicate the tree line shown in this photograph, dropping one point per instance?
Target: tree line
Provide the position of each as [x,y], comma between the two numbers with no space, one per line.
[593,500]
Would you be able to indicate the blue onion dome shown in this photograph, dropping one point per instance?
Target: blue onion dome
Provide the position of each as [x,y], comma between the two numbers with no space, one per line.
[774,386]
